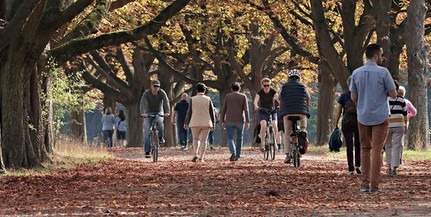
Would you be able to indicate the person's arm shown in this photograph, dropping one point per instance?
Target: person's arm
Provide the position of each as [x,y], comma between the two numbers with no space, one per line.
[143,104]
[276,97]
[411,110]
[339,110]
[188,115]
[174,116]
[246,113]
[307,97]
[223,111]
[256,102]
[392,94]
[212,115]
[354,97]
[166,107]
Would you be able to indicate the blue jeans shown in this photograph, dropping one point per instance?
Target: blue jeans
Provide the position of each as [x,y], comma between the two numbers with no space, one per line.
[231,128]
[108,137]
[147,126]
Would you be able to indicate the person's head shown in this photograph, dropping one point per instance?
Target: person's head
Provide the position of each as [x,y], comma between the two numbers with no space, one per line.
[121,115]
[266,84]
[201,88]
[374,52]
[294,74]
[184,96]
[235,86]
[155,85]
[108,111]
[401,91]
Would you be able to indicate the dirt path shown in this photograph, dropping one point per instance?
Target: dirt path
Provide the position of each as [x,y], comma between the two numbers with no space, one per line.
[134,186]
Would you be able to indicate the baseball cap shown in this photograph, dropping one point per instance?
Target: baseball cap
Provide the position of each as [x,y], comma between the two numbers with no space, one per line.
[155,82]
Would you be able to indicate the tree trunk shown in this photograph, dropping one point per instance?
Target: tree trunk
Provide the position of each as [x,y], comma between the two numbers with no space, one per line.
[417,74]
[79,130]
[326,96]
[135,128]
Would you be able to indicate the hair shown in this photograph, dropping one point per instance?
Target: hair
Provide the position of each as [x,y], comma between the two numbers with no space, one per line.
[235,86]
[397,85]
[200,87]
[121,115]
[108,111]
[184,96]
[401,91]
[265,80]
[372,49]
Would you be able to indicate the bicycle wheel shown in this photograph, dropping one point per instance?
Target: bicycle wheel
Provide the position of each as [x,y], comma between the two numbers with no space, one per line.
[296,158]
[266,152]
[155,146]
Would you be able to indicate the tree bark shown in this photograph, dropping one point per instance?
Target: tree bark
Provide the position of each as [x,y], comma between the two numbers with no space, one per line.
[417,52]
[135,125]
[79,130]
[325,114]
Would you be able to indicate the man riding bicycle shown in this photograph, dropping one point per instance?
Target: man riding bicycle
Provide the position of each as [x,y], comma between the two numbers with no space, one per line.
[294,101]
[265,100]
[152,102]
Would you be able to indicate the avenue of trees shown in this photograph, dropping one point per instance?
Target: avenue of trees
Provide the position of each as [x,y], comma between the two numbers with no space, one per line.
[120,45]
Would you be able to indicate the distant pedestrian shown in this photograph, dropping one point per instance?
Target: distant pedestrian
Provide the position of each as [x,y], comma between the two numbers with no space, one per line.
[121,128]
[108,126]
[178,119]
[201,119]
[371,84]
[234,117]
[349,127]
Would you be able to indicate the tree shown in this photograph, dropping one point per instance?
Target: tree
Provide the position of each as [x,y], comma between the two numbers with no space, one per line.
[417,52]
[32,25]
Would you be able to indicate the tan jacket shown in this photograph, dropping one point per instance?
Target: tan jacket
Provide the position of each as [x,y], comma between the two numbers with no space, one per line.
[200,112]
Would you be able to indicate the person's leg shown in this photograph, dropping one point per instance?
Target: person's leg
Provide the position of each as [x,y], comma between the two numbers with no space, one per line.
[262,134]
[388,147]
[365,137]
[106,137]
[239,138]
[397,141]
[203,137]
[274,125]
[161,128]
[230,129]
[348,138]
[195,133]
[379,133]
[182,136]
[211,137]
[357,143]
[287,132]
[147,125]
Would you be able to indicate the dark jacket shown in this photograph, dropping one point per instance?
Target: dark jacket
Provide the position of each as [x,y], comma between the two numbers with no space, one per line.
[293,97]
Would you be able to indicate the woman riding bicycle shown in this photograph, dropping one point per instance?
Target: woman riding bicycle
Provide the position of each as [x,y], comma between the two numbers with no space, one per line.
[265,99]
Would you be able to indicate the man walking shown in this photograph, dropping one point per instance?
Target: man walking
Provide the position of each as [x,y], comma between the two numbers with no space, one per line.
[234,114]
[178,118]
[371,84]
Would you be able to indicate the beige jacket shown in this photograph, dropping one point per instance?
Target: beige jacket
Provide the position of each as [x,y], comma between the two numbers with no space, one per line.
[200,112]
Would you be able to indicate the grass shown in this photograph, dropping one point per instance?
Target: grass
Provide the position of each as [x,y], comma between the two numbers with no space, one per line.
[68,154]
[407,155]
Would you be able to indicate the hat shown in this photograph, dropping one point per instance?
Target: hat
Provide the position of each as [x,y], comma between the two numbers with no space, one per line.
[200,87]
[155,82]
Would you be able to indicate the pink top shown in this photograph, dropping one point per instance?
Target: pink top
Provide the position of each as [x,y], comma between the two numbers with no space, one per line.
[411,110]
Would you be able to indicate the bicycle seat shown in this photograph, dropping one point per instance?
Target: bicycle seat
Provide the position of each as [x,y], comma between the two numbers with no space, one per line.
[293,118]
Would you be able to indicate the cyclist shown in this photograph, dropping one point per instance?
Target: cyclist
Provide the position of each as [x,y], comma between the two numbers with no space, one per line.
[265,99]
[294,101]
[152,102]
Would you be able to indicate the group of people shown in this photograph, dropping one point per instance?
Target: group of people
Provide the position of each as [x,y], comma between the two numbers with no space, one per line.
[378,121]
[110,123]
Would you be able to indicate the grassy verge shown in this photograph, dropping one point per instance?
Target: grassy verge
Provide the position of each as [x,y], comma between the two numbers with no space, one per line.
[68,154]
[407,155]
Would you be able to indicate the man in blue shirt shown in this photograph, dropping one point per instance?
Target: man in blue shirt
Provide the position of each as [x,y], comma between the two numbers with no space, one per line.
[371,84]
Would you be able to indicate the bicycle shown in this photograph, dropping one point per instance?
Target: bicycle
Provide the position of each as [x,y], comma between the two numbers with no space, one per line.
[294,144]
[270,140]
[154,138]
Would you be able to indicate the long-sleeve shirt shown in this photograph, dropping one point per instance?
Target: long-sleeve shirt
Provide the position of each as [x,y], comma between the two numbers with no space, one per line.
[235,108]
[154,103]
[411,110]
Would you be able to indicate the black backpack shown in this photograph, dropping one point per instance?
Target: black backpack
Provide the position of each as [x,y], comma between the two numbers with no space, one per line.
[350,117]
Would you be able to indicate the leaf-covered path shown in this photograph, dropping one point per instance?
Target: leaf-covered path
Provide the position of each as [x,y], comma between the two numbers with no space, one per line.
[134,186]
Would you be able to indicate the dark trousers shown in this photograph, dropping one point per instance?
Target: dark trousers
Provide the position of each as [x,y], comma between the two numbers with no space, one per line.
[351,137]
[182,135]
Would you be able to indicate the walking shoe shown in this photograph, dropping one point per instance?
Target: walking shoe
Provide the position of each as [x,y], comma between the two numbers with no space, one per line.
[358,170]
[147,154]
[389,172]
[195,158]
[201,160]
[376,191]
[162,140]
[351,172]
[394,171]
[278,147]
[364,188]
[232,157]
[288,159]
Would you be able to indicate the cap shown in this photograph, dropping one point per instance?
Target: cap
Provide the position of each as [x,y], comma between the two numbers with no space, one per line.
[155,82]
[235,86]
